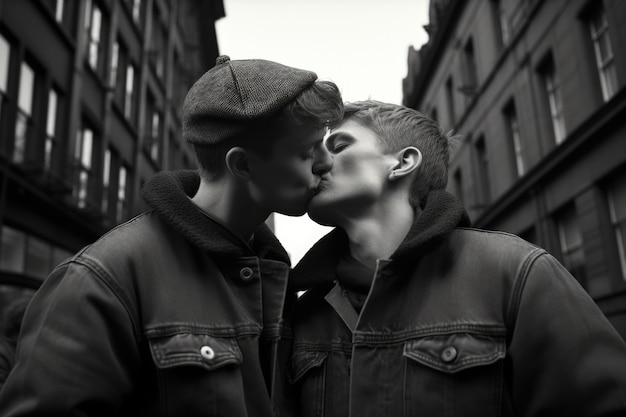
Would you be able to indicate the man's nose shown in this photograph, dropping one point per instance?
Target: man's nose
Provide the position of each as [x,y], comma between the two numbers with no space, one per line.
[323,161]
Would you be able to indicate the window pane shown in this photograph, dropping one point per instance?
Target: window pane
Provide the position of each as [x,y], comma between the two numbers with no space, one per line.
[106,172]
[87,148]
[38,257]
[115,56]
[12,253]
[5,53]
[128,97]
[107,168]
[572,244]
[21,135]
[83,180]
[52,113]
[27,83]
[58,13]
[96,24]
[121,195]
[617,208]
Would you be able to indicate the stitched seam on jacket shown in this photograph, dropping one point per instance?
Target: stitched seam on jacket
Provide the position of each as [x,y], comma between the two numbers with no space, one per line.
[402,336]
[518,288]
[101,273]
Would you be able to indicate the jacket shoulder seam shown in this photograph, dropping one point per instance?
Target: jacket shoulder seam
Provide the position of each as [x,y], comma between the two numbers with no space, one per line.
[519,284]
[101,273]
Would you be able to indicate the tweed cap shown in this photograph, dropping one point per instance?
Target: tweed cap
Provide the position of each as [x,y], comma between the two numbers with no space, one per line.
[235,95]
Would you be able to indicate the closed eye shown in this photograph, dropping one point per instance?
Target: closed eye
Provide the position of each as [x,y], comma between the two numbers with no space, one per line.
[338,142]
[339,147]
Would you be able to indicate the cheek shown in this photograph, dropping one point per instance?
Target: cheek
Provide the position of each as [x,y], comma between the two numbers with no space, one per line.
[295,172]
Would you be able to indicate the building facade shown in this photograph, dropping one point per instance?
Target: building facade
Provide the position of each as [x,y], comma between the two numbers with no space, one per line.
[91,96]
[536,92]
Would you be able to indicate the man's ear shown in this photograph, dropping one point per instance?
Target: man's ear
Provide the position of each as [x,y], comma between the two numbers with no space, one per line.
[237,162]
[409,159]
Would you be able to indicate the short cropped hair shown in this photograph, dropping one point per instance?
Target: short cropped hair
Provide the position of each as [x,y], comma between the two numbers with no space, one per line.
[318,106]
[398,127]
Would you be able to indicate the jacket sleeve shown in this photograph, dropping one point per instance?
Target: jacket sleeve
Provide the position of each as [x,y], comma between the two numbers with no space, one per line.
[566,359]
[77,352]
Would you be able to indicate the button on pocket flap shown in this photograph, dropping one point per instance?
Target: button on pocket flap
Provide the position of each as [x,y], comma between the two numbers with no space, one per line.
[303,361]
[195,349]
[454,352]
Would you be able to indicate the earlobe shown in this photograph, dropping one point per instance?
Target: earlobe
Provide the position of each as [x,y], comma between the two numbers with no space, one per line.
[237,162]
[409,160]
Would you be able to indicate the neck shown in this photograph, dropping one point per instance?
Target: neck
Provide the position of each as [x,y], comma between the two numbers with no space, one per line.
[379,232]
[225,201]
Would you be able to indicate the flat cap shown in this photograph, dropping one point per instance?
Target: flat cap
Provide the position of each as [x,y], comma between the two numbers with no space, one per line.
[234,95]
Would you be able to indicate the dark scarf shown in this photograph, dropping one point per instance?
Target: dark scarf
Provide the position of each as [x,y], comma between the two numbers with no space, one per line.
[441,214]
[168,194]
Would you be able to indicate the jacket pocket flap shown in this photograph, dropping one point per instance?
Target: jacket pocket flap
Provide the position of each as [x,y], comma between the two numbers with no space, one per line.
[303,361]
[201,350]
[455,352]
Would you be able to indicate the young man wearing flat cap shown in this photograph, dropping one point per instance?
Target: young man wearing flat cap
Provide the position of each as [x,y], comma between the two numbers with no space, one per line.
[179,311]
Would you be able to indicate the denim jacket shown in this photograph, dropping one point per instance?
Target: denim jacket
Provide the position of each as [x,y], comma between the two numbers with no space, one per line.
[458,322]
[166,315]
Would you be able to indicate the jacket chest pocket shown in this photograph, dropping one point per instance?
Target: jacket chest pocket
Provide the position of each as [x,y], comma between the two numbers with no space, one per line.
[198,374]
[320,380]
[454,374]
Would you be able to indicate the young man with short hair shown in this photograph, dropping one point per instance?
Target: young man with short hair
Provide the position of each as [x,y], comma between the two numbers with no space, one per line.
[410,312]
[179,311]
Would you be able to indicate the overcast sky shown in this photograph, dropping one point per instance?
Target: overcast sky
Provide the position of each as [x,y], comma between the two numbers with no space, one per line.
[361,45]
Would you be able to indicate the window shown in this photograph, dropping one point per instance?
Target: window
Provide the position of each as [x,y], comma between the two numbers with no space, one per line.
[56,7]
[129,92]
[12,254]
[106,179]
[155,137]
[471,81]
[23,253]
[616,195]
[123,71]
[58,10]
[483,172]
[121,194]
[553,93]
[24,122]
[51,141]
[501,22]
[604,53]
[83,154]
[5,55]
[93,26]
[510,115]
[571,241]
[157,50]
[450,101]
[115,57]
[135,10]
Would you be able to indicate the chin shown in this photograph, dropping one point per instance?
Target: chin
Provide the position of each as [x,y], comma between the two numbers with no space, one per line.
[321,214]
[293,211]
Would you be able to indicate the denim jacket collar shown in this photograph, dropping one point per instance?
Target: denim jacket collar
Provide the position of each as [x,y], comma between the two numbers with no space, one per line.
[442,213]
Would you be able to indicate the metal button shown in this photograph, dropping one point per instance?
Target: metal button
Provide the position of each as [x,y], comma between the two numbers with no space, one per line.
[449,354]
[207,352]
[246,274]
